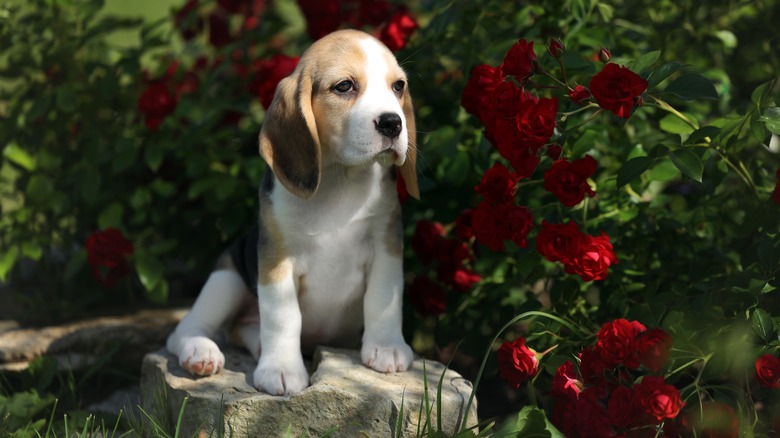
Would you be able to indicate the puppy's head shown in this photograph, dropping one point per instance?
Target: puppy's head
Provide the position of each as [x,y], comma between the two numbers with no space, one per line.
[347,102]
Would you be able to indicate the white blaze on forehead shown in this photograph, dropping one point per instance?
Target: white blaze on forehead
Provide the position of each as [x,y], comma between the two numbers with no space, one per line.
[377,97]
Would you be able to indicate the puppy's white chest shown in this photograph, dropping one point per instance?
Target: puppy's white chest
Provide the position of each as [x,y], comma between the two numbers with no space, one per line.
[332,276]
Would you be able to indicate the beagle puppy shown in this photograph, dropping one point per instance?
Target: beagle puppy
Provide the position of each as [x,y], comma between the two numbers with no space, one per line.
[325,259]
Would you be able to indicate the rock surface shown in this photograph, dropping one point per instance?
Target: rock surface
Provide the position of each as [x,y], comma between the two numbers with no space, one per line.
[345,398]
[79,344]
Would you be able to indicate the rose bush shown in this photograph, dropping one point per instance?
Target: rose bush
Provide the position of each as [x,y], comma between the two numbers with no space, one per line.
[602,175]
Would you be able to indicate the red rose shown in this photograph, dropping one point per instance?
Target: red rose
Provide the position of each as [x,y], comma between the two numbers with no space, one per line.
[657,399]
[592,259]
[427,297]
[451,253]
[268,74]
[776,191]
[489,226]
[617,89]
[579,94]
[400,187]
[768,371]
[427,239]
[536,123]
[520,60]
[713,420]
[554,151]
[653,349]
[108,250]
[498,185]
[621,408]
[522,158]
[568,181]
[482,82]
[564,417]
[372,13]
[516,362]
[463,227]
[397,31]
[592,367]
[460,278]
[504,102]
[219,30]
[187,20]
[565,382]
[591,415]
[322,16]
[250,8]
[557,242]
[617,342]
[520,221]
[156,103]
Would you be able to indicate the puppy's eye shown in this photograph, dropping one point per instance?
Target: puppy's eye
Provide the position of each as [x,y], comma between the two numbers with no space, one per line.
[398,86]
[344,86]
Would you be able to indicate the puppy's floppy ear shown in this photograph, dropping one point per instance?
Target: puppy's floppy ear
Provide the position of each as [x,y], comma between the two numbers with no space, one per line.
[288,139]
[409,168]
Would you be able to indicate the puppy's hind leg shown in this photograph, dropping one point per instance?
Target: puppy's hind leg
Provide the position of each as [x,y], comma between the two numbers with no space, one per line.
[192,341]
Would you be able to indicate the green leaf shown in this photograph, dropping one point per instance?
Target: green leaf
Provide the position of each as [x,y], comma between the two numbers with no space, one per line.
[19,156]
[111,216]
[66,100]
[40,106]
[688,162]
[769,251]
[658,75]
[674,125]
[530,422]
[632,169]
[7,262]
[90,184]
[124,155]
[771,119]
[32,250]
[727,37]
[643,62]
[762,324]
[702,133]
[760,92]
[587,141]
[458,169]
[154,156]
[39,188]
[75,264]
[692,86]
[150,270]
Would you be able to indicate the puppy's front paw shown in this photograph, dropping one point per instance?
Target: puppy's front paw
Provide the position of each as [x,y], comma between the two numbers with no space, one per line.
[201,356]
[387,358]
[280,377]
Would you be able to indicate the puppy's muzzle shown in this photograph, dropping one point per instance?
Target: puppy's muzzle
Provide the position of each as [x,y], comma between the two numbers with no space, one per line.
[389,125]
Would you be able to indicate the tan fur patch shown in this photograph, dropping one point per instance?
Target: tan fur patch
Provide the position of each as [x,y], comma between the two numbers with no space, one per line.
[338,58]
[394,241]
[274,264]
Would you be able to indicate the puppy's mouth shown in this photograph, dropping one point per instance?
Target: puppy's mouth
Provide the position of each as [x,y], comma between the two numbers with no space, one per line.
[390,156]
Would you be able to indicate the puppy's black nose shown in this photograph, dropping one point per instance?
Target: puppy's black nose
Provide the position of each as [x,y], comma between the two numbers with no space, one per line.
[389,125]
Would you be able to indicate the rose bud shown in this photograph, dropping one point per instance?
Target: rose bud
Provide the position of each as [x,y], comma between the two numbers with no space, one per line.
[556,48]
[605,55]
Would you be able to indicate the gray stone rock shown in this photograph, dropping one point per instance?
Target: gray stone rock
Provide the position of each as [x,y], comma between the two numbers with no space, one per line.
[345,398]
[77,345]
